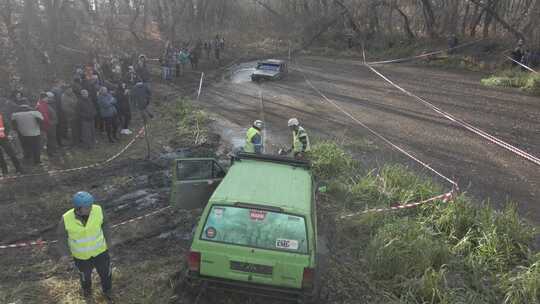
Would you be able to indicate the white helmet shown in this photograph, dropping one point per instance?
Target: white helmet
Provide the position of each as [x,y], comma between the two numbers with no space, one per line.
[258,123]
[293,122]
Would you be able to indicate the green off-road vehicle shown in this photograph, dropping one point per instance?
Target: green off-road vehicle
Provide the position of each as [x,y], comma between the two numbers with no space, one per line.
[258,231]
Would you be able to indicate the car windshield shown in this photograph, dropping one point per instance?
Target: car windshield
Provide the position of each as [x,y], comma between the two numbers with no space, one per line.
[268,67]
[256,228]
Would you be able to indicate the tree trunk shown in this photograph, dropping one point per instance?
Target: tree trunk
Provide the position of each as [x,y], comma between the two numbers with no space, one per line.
[496,16]
[406,23]
[25,57]
[533,27]
[429,18]
[465,19]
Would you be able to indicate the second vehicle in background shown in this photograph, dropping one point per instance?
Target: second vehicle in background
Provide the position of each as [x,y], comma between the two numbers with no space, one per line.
[270,69]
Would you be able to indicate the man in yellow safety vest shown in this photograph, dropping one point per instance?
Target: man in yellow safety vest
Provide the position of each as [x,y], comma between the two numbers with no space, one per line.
[84,234]
[254,140]
[300,139]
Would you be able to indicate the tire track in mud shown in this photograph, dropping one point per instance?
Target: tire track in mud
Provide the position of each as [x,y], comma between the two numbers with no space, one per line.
[482,170]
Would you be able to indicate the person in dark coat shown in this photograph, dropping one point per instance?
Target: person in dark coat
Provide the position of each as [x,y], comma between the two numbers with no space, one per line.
[62,126]
[107,107]
[517,53]
[131,76]
[69,104]
[194,57]
[124,108]
[140,97]
[216,47]
[142,69]
[91,84]
[87,113]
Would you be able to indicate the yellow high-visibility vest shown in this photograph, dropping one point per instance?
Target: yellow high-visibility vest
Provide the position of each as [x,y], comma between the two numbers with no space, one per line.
[249,147]
[297,144]
[85,241]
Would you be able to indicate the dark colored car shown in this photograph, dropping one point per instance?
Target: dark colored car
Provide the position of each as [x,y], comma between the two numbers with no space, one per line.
[271,69]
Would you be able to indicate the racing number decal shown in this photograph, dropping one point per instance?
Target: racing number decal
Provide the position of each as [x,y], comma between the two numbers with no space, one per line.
[257,215]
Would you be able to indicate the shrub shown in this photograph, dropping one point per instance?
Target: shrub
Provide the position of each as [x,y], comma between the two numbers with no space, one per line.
[502,240]
[191,124]
[532,84]
[431,287]
[515,78]
[329,161]
[489,240]
[404,249]
[393,184]
[454,220]
[524,285]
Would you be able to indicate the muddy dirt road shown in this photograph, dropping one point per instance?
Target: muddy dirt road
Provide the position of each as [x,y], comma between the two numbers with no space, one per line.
[482,169]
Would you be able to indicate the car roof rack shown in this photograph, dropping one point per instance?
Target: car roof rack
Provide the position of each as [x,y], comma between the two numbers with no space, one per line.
[271,158]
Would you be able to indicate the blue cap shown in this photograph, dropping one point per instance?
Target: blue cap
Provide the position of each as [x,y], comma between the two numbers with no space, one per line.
[83,199]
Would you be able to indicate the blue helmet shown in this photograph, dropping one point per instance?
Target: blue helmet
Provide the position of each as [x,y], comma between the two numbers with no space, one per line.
[83,199]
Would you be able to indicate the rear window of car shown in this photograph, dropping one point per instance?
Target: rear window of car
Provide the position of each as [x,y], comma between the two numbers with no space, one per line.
[256,228]
[268,67]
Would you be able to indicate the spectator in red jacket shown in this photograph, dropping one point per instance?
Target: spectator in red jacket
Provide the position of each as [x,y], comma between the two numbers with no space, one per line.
[50,120]
[43,108]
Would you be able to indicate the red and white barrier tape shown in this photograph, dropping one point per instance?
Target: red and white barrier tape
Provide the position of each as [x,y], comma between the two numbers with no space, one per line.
[56,172]
[462,123]
[454,184]
[426,54]
[521,64]
[447,197]
[141,217]
[41,242]
[28,244]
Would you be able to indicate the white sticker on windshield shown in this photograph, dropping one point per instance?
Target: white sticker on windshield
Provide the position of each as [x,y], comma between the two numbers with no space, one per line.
[287,244]
[218,212]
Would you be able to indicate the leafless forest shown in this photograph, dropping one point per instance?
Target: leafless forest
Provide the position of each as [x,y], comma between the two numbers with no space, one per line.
[36,36]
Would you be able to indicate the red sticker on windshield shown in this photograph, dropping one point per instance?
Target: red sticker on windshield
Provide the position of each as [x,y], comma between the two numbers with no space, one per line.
[211,232]
[257,215]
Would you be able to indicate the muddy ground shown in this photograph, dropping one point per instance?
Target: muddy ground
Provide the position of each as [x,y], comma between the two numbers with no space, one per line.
[148,255]
[486,171]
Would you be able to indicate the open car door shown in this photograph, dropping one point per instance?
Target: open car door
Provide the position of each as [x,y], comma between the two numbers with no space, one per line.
[193,182]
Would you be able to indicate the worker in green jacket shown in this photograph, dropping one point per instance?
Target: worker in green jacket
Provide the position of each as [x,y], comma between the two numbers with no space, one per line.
[300,139]
[84,235]
[254,139]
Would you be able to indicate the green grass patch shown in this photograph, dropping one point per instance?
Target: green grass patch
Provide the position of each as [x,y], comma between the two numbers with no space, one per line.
[403,249]
[458,252]
[330,162]
[515,78]
[523,285]
[191,123]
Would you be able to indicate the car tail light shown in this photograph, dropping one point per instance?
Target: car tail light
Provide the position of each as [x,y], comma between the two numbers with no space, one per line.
[308,279]
[194,261]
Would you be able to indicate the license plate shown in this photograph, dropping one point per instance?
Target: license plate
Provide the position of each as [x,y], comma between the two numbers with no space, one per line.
[251,268]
